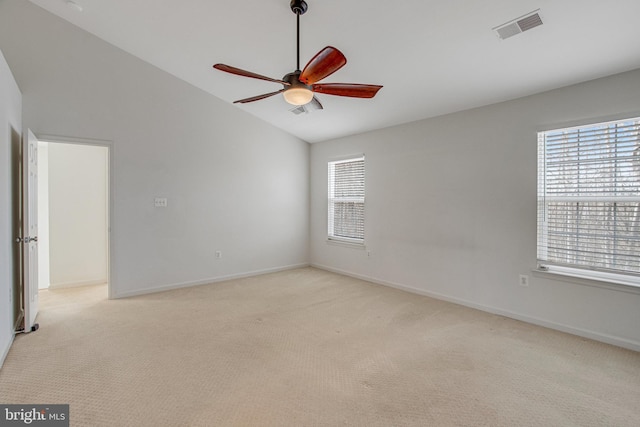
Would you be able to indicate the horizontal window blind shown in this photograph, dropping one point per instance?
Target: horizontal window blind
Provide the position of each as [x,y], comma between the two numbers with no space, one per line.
[589,197]
[346,200]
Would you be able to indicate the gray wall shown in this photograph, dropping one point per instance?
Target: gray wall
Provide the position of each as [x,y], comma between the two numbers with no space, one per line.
[451,210]
[10,130]
[233,183]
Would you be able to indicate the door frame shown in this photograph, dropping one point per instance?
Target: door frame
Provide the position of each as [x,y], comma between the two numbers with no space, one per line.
[110,196]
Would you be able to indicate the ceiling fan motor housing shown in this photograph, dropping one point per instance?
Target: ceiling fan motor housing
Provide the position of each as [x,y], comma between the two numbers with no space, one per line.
[299,7]
[297,93]
[294,80]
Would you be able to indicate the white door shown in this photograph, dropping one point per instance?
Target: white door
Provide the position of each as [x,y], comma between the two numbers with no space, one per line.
[30,229]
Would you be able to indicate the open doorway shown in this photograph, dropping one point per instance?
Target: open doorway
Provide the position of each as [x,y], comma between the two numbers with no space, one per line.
[73,215]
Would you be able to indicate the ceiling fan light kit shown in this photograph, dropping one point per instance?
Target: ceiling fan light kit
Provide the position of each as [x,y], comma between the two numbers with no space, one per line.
[296,93]
[299,86]
[298,96]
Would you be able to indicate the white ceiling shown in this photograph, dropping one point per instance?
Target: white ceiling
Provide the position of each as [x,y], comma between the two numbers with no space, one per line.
[433,57]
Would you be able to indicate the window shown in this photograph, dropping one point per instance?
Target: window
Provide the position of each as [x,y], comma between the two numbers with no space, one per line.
[589,201]
[346,200]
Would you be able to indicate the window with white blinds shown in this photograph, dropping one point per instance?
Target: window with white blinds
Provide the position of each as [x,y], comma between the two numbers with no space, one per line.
[589,201]
[346,200]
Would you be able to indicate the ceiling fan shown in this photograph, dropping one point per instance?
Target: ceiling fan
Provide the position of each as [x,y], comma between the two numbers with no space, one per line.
[299,86]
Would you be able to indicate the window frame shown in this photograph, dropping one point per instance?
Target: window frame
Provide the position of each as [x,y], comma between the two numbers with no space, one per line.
[615,277]
[336,239]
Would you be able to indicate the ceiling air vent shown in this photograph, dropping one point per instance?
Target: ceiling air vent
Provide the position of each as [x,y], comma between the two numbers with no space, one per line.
[519,25]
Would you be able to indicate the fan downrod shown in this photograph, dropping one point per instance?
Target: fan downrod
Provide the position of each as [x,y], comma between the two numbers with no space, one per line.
[299,7]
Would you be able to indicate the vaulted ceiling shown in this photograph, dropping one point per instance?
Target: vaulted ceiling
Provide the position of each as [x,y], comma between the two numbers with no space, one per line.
[432,57]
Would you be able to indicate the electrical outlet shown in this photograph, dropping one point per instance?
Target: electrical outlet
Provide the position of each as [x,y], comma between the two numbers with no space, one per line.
[160,202]
[218,254]
[368,254]
[524,280]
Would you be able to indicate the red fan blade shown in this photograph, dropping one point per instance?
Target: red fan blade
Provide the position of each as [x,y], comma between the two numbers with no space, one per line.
[326,62]
[257,98]
[347,89]
[239,72]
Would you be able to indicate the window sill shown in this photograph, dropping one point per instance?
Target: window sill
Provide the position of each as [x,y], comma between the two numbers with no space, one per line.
[345,243]
[576,277]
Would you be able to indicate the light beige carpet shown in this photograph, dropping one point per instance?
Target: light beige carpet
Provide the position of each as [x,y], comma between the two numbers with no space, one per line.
[310,348]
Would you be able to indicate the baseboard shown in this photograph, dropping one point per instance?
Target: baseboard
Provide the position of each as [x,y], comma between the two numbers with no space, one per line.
[5,351]
[172,286]
[596,336]
[77,284]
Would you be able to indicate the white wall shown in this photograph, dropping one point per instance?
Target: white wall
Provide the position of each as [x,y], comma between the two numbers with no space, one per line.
[233,183]
[43,215]
[451,210]
[78,217]
[10,129]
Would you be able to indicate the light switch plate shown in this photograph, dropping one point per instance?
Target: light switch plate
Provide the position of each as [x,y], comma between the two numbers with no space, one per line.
[160,202]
